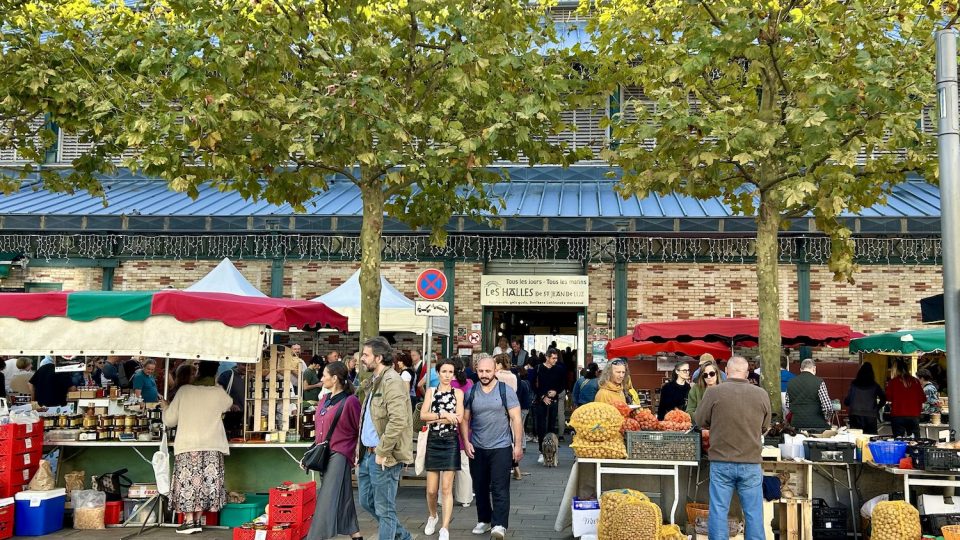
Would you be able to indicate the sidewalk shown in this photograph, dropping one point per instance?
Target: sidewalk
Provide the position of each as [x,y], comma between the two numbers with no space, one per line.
[534,501]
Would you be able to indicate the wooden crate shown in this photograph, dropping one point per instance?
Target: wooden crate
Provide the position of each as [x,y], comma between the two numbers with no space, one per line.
[278,363]
[799,477]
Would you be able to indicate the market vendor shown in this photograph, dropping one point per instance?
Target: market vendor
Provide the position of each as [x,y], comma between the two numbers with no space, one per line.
[673,395]
[311,379]
[808,399]
[611,383]
[144,384]
[49,388]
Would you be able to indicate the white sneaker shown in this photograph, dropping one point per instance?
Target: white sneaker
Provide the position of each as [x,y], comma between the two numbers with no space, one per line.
[444,535]
[540,459]
[498,533]
[431,525]
[481,528]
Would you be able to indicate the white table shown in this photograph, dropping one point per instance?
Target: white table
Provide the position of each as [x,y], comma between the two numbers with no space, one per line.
[633,467]
[913,477]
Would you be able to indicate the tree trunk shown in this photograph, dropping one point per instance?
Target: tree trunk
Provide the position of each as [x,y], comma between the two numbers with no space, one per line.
[371,232]
[768,296]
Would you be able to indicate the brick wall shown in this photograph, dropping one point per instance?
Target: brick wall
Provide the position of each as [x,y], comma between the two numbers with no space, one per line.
[884,298]
[601,301]
[143,275]
[71,279]
[466,304]
[659,292]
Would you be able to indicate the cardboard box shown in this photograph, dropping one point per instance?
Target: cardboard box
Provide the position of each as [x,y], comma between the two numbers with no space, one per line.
[934,504]
[586,516]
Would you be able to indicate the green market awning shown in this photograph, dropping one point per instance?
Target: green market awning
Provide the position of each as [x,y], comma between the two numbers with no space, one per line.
[903,342]
[7,260]
[166,324]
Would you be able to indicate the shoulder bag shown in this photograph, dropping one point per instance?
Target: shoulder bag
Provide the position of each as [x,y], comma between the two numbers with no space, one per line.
[317,456]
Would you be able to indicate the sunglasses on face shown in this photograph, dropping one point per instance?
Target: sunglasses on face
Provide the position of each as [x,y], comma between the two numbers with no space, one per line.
[618,363]
[710,374]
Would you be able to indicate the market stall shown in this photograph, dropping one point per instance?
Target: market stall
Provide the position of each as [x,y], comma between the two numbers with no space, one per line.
[627,346]
[167,325]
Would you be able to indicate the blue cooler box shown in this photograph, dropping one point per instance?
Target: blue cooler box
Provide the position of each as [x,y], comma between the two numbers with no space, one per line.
[39,512]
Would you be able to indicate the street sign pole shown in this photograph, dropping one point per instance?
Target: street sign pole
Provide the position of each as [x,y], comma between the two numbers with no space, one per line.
[948,150]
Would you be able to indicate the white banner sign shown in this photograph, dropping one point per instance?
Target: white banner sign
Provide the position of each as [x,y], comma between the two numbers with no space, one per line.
[534,290]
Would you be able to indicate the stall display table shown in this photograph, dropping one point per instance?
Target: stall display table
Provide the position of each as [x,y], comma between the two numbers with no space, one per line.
[631,467]
[913,477]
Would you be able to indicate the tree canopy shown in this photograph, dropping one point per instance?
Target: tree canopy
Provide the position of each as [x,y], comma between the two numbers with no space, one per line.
[410,100]
[784,109]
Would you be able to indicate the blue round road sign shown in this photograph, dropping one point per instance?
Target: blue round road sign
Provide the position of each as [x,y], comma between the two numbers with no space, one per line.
[431,284]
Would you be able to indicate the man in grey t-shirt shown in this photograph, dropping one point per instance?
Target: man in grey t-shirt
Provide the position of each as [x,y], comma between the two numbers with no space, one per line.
[493,440]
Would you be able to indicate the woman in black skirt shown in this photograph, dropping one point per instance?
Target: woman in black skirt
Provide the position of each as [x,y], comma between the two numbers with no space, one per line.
[442,411]
[336,513]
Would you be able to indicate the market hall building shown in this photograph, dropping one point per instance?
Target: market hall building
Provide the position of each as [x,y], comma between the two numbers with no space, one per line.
[569,261]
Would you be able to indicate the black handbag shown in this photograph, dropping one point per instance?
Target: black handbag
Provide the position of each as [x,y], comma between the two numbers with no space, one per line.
[317,456]
[112,483]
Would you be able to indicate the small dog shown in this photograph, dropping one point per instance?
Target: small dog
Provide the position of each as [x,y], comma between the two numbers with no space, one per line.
[550,446]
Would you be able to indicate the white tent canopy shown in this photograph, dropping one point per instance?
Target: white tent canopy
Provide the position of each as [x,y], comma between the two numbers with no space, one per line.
[225,278]
[396,310]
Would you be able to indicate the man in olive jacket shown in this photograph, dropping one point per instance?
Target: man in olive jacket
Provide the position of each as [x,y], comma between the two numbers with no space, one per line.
[386,438]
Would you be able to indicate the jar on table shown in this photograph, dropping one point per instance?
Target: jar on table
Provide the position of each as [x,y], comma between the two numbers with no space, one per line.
[63,421]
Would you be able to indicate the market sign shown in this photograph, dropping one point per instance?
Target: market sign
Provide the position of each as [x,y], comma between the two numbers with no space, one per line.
[534,290]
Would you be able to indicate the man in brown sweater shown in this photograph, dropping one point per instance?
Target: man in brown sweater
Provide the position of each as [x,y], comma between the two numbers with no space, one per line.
[736,413]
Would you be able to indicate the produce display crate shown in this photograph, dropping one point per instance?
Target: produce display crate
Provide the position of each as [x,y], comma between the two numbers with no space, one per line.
[941,459]
[663,445]
[294,497]
[932,523]
[267,534]
[799,476]
[829,523]
[830,452]
[294,515]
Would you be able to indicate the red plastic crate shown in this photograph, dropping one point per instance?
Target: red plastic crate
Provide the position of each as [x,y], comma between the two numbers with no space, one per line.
[21,460]
[305,526]
[6,521]
[251,534]
[21,431]
[7,490]
[16,476]
[295,497]
[295,515]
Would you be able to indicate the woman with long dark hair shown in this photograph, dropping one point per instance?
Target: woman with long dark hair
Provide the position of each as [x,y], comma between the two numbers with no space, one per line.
[673,395]
[199,446]
[906,397]
[336,513]
[442,410]
[865,400]
[709,376]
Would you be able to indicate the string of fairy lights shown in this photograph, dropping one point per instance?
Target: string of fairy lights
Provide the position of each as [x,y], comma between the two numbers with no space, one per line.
[479,248]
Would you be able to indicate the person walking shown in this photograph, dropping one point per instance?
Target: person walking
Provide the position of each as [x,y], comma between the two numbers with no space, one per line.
[492,440]
[906,397]
[808,400]
[611,383]
[865,400]
[386,438]
[336,513]
[550,381]
[736,413]
[442,410]
[504,374]
[673,395]
[462,481]
[199,447]
[585,389]
[709,376]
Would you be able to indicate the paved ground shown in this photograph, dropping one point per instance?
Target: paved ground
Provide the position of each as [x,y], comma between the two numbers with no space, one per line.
[534,501]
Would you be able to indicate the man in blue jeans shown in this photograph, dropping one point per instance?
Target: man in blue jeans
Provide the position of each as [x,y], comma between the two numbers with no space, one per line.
[736,413]
[493,440]
[386,438]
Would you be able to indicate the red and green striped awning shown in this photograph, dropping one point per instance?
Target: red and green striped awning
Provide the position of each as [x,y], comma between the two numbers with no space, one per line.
[230,309]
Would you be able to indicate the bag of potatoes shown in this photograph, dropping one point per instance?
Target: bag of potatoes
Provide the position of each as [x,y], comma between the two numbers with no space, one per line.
[626,514]
[597,422]
[672,532]
[895,520]
[615,449]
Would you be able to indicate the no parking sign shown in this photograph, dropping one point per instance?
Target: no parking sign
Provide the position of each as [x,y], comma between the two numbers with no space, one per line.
[431,284]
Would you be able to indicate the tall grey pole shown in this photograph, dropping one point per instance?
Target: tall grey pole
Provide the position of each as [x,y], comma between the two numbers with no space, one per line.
[948,148]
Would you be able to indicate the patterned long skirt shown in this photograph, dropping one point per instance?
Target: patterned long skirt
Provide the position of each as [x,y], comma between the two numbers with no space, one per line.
[198,482]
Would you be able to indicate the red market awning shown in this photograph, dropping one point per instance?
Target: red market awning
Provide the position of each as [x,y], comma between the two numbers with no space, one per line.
[230,309]
[746,332]
[625,346]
